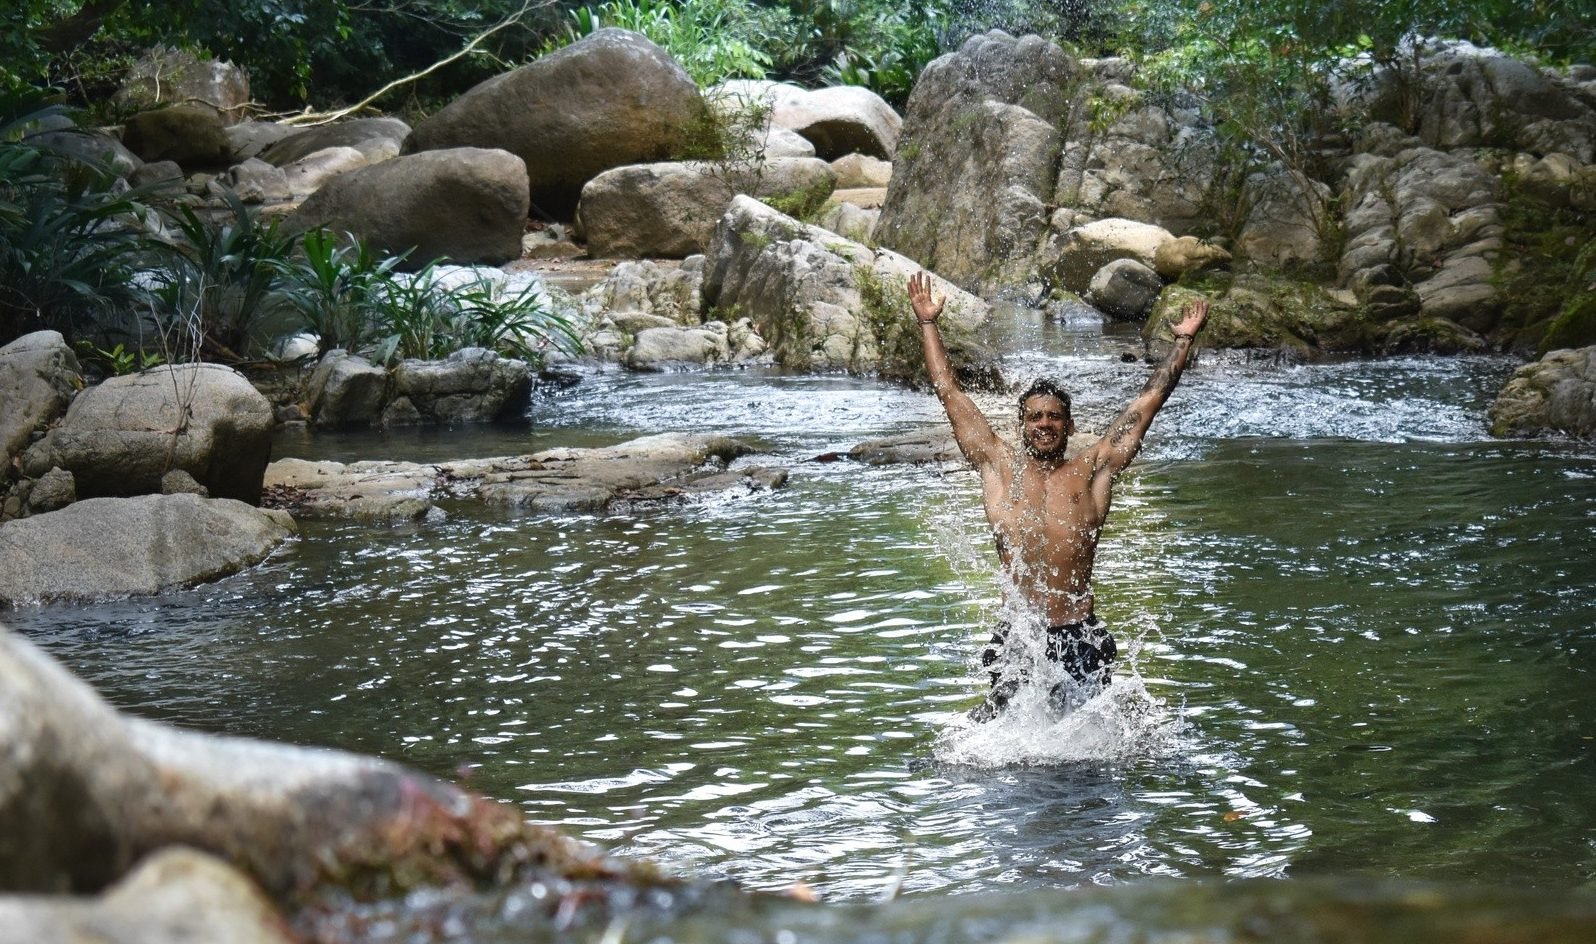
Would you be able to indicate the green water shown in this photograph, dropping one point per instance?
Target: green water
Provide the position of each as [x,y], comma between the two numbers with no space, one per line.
[1358,635]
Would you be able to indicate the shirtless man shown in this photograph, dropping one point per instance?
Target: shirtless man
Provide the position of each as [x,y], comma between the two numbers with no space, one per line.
[1047,510]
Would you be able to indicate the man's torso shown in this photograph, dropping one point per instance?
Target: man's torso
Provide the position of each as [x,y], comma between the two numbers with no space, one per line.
[1046,521]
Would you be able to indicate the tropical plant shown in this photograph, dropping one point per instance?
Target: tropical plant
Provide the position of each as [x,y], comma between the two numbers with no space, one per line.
[70,236]
[712,39]
[335,286]
[518,324]
[224,277]
[425,316]
[118,360]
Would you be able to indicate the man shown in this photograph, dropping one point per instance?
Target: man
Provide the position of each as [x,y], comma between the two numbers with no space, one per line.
[1047,509]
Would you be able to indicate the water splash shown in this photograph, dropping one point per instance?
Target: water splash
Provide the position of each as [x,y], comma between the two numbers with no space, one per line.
[1125,722]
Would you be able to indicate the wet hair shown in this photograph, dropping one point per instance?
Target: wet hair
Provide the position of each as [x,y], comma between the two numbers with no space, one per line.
[1043,387]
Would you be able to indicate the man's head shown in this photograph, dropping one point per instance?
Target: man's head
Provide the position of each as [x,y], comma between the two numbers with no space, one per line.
[1045,422]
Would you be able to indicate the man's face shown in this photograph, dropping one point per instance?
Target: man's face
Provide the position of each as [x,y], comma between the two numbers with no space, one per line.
[1045,427]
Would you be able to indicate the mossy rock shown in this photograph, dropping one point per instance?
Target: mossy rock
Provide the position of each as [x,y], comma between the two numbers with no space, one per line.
[1574,327]
[1257,311]
[1429,336]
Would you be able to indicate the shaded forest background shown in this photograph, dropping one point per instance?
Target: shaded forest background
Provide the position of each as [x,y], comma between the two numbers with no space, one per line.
[322,54]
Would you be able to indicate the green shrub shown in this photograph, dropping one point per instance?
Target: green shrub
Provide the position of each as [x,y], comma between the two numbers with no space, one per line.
[881,47]
[712,39]
[353,300]
[118,360]
[70,239]
[336,287]
[223,280]
[1575,324]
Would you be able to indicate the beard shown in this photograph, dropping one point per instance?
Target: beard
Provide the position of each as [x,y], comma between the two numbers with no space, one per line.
[1055,451]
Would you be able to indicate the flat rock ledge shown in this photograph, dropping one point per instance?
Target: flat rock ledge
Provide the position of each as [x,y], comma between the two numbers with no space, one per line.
[652,469]
[108,548]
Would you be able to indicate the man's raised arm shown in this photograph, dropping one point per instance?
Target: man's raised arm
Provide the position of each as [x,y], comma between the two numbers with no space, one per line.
[1119,445]
[971,431]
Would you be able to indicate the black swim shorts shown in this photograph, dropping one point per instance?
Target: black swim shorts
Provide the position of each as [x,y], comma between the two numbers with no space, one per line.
[1085,650]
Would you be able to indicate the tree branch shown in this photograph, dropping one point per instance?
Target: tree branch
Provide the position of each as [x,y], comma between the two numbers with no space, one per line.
[321,118]
[76,29]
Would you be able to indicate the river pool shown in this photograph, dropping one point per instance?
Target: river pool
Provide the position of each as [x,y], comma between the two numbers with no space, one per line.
[1358,636]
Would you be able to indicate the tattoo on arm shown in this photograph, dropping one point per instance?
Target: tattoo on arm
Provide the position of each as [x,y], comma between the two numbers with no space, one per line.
[1126,428]
[1164,378]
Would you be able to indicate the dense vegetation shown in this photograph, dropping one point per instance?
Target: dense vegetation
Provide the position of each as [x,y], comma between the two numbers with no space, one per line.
[137,276]
[83,46]
[1262,68]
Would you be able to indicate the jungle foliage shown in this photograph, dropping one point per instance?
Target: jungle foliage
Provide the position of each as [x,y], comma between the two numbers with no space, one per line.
[321,53]
[138,276]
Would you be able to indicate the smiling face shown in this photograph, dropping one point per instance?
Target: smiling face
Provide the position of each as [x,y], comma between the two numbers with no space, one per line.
[1045,426]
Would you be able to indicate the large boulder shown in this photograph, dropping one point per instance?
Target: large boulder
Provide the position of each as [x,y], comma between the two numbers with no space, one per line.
[165,76]
[106,548]
[861,171]
[1423,230]
[1129,154]
[310,173]
[976,163]
[1288,217]
[188,133]
[377,138]
[1265,313]
[1554,395]
[255,181]
[38,376]
[669,346]
[463,204]
[346,390]
[248,139]
[672,291]
[669,210]
[824,303]
[850,221]
[839,120]
[121,436]
[610,99]
[89,145]
[1183,254]
[1125,290]
[1466,97]
[1086,249]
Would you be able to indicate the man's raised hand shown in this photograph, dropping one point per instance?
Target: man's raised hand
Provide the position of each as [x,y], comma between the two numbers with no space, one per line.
[1194,314]
[926,308]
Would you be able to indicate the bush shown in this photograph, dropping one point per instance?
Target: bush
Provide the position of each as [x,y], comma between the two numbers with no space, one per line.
[712,39]
[70,239]
[222,286]
[334,286]
[424,317]
[353,300]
